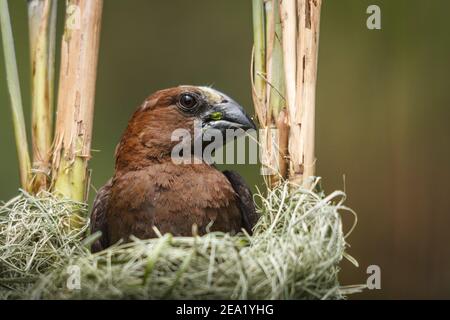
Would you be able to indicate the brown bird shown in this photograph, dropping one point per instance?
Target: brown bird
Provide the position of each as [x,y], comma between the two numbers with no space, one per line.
[149,189]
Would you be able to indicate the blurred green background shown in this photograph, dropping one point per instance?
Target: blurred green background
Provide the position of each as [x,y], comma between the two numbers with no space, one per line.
[382,115]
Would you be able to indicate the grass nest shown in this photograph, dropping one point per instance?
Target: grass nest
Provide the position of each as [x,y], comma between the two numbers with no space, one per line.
[294,253]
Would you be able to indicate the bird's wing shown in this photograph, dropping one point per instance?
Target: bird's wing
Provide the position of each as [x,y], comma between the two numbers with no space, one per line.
[245,200]
[98,217]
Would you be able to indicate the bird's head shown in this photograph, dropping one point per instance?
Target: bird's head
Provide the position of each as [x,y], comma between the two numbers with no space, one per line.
[149,134]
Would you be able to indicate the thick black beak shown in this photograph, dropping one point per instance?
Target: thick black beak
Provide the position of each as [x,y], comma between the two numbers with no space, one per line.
[227,115]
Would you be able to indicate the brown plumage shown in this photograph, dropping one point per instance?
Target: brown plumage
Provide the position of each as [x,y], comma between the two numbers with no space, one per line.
[149,190]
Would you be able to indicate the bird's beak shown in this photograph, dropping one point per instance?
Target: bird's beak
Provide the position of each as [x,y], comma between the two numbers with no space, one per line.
[225,115]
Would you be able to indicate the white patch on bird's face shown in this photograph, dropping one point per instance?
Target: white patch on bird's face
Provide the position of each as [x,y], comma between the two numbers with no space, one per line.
[212,95]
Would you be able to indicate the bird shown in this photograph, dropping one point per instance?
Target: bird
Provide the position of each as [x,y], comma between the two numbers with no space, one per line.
[149,190]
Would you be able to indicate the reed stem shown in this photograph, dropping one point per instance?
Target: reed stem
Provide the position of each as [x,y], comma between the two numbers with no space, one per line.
[259,60]
[271,107]
[42,26]
[80,47]
[12,77]
[302,140]
[286,105]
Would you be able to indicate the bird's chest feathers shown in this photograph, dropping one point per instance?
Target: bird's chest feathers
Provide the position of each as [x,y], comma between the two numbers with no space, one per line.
[173,187]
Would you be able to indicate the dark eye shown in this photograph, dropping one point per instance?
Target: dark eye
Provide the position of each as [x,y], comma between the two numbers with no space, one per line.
[188,101]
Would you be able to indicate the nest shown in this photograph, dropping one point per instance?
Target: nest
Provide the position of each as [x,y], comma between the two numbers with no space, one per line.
[294,254]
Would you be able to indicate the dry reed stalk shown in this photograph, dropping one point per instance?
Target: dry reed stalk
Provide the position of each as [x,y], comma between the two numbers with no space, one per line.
[259,63]
[291,50]
[276,92]
[271,107]
[12,76]
[42,27]
[302,139]
[79,57]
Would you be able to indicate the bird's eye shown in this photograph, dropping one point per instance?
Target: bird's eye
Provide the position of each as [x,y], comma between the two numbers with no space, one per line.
[188,101]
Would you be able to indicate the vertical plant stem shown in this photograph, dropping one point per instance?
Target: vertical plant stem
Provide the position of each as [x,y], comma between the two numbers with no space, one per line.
[275,66]
[274,156]
[15,95]
[291,51]
[277,91]
[35,10]
[259,91]
[269,22]
[303,121]
[273,120]
[269,94]
[42,25]
[288,12]
[51,57]
[259,60]
[79,56]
